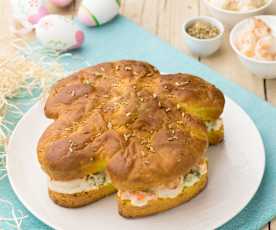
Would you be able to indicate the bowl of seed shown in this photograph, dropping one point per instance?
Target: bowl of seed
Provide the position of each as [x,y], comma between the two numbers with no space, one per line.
[203,35]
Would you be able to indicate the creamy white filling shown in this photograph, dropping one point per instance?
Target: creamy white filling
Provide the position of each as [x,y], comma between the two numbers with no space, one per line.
[140,198]
[214,125]
[168,192]
[94,181]
[90,182]
[136,199]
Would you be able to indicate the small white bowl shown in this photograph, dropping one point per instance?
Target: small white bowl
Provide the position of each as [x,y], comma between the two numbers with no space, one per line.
[203,47]
[230,18]
[261,68]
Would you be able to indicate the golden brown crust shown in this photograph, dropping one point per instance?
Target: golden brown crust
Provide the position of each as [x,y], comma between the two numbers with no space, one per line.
[193,94]
[81,199]
[216,136]
[160,205]
[157,158]
[119,115]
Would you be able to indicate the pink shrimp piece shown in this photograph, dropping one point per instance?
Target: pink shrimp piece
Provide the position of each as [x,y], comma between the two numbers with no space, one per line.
[233,5]
[261,29]
[246,43]
[266,48]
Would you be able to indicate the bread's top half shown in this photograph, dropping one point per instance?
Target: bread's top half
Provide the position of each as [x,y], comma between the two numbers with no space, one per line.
[143,127]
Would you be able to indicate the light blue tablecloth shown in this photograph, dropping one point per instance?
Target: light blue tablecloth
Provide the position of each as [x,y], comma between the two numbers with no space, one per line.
[122,39]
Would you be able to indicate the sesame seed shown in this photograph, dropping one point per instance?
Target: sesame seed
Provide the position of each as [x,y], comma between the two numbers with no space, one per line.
[154,95]
[159,104]
[87,82]
[186,82]
[183,83]
[167,109]
[146,162]
[128,68]
[143,142]
[172,138]
[109,125]
[127,136]
[135,73]
[165,87]
[102,69]
[117,67]
[71,146]
[141,99]
[178,106]
[73,93]
[151,149]
[128,114]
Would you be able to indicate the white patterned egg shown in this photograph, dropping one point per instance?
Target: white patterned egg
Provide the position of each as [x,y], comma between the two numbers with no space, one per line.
[59,33]
[29,11]
[98,12]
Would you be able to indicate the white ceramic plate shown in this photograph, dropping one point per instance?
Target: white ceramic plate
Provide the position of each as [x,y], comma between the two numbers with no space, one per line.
[236,169]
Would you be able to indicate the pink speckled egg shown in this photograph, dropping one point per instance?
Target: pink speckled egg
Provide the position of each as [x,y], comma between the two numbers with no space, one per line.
[29,11]
[61,3]
[59,33]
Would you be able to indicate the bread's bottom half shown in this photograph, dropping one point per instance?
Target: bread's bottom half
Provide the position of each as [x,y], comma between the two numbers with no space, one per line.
[216,136]
[160,205]
[83,198]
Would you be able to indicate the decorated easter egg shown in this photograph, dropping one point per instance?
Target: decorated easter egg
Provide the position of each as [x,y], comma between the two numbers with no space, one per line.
[29,11]
[61,3]
[59,33]
[98,12]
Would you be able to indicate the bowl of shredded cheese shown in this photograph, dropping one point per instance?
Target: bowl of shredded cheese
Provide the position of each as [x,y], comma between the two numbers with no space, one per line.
[254,42]
[230,12]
